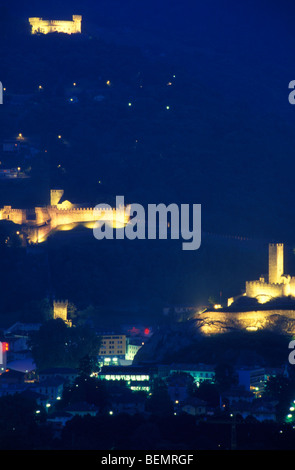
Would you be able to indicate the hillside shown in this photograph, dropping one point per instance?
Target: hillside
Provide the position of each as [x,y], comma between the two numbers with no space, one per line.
[226,141]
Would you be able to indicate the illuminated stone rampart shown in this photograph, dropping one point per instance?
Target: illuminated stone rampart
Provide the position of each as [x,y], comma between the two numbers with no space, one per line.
[276,285]
[213,322]
[40,26]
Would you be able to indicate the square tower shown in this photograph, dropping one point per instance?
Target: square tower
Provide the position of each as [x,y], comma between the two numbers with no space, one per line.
[275,262]
[60,310]
[55,196]
[77,20]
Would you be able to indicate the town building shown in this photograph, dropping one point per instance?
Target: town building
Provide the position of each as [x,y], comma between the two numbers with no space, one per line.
[4,347]
[113,348]
[81,409]
[199,372]
[132,349]
[195,407]
[252,379]
[52,388]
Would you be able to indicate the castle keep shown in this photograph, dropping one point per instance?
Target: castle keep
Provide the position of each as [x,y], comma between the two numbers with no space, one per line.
[40,26]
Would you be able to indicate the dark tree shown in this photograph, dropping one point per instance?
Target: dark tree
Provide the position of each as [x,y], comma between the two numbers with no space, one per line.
[159,403]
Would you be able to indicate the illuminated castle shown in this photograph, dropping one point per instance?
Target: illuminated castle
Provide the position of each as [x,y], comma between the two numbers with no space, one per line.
[40,26]
[60,310]
[267,303]
[37,223]
[276,284]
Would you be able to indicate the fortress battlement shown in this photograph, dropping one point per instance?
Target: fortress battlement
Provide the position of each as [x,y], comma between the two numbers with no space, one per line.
[37,223]
[85,209]
[16,211]
[61,303]
[255,283]
[40,26]
[82,209]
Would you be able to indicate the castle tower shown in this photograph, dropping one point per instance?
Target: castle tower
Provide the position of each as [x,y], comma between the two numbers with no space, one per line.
[55,196]
[275,262]
[35,24]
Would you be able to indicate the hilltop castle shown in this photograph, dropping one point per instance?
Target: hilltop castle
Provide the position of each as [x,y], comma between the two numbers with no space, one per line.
[40,26]
[37,223]
[276,283]
[267,303]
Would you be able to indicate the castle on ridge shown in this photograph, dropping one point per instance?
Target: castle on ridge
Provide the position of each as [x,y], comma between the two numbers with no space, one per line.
[40,26]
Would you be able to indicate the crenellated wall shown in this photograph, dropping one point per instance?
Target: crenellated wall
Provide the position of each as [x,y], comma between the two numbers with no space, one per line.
[17,216]
[37,223]
[259,288]
[81,215]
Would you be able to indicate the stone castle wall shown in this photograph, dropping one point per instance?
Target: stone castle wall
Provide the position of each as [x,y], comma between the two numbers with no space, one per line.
[259,288]
[213,322]
[40,221]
